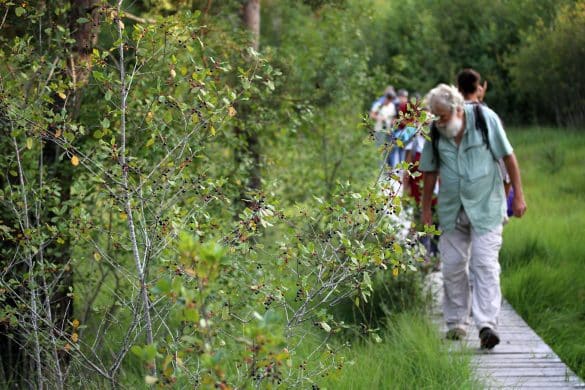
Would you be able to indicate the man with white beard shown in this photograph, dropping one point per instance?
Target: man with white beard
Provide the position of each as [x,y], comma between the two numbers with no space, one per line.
[471,208]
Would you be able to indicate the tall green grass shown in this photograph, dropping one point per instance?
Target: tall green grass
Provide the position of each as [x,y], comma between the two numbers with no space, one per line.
[411,356]
[543,256]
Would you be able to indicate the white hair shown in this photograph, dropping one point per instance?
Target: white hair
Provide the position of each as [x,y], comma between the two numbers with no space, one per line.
[445,96]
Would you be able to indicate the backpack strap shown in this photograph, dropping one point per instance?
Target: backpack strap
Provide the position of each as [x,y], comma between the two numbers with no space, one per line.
[481,124]
[435,143]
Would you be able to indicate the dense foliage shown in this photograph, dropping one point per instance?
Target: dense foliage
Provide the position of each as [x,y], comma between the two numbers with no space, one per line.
[134,248]
[179,208]
[527,50]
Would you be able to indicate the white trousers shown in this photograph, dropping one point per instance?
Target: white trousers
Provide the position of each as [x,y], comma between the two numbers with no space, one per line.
[467,256]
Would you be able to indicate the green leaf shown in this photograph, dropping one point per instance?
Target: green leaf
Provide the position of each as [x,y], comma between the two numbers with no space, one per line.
[191,314]
[164,285]
[397,248]
[225,313]
[82,20]
[368,281]
[149,352]
[19,11]
[136,350]
[99,76]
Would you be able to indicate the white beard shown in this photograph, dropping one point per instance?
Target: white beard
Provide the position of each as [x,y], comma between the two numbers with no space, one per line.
[451,129]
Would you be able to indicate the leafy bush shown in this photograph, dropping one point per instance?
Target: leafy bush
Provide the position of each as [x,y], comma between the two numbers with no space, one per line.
[136,254]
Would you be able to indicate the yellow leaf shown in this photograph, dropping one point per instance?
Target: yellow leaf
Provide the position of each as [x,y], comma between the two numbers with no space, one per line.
[190,271]
[150,142]
[123,216]
[75,324]
[394,272]
[74,337]
[67,347]
[62,95]
[325,326]
[173,73]
[29,143]
[149,116]
[232,111]
[150,380]
[75,160]
[397,248]
[97,256]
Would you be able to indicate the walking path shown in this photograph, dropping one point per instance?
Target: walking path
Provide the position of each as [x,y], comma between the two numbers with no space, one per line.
[521,360]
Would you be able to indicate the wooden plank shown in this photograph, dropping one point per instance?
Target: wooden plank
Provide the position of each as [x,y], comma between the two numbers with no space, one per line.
[529,347]
[521,360]
[543,357]
[524,372]
[518,365]
[523,383]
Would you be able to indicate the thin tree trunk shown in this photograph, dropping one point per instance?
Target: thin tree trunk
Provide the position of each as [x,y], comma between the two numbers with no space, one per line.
[44,365]
[140,266]
[252,21]
[251,148]
[79,68]
[34,314]
[85,35]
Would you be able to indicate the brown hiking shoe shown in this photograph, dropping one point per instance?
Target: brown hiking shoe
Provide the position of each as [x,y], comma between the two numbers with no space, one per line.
[456,334]
[488,338]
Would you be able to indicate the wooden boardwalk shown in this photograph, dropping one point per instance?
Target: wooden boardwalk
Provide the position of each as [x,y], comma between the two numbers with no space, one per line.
[521,360]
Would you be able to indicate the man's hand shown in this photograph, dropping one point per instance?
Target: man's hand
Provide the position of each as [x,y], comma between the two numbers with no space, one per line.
[429,181]
[518,206]
[406,183]
[426,216]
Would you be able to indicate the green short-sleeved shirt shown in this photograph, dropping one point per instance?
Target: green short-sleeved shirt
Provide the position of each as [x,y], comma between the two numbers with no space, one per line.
[469,174]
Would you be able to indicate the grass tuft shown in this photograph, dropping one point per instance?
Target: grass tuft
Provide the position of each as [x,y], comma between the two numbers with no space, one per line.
[543,254]
[411,356]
